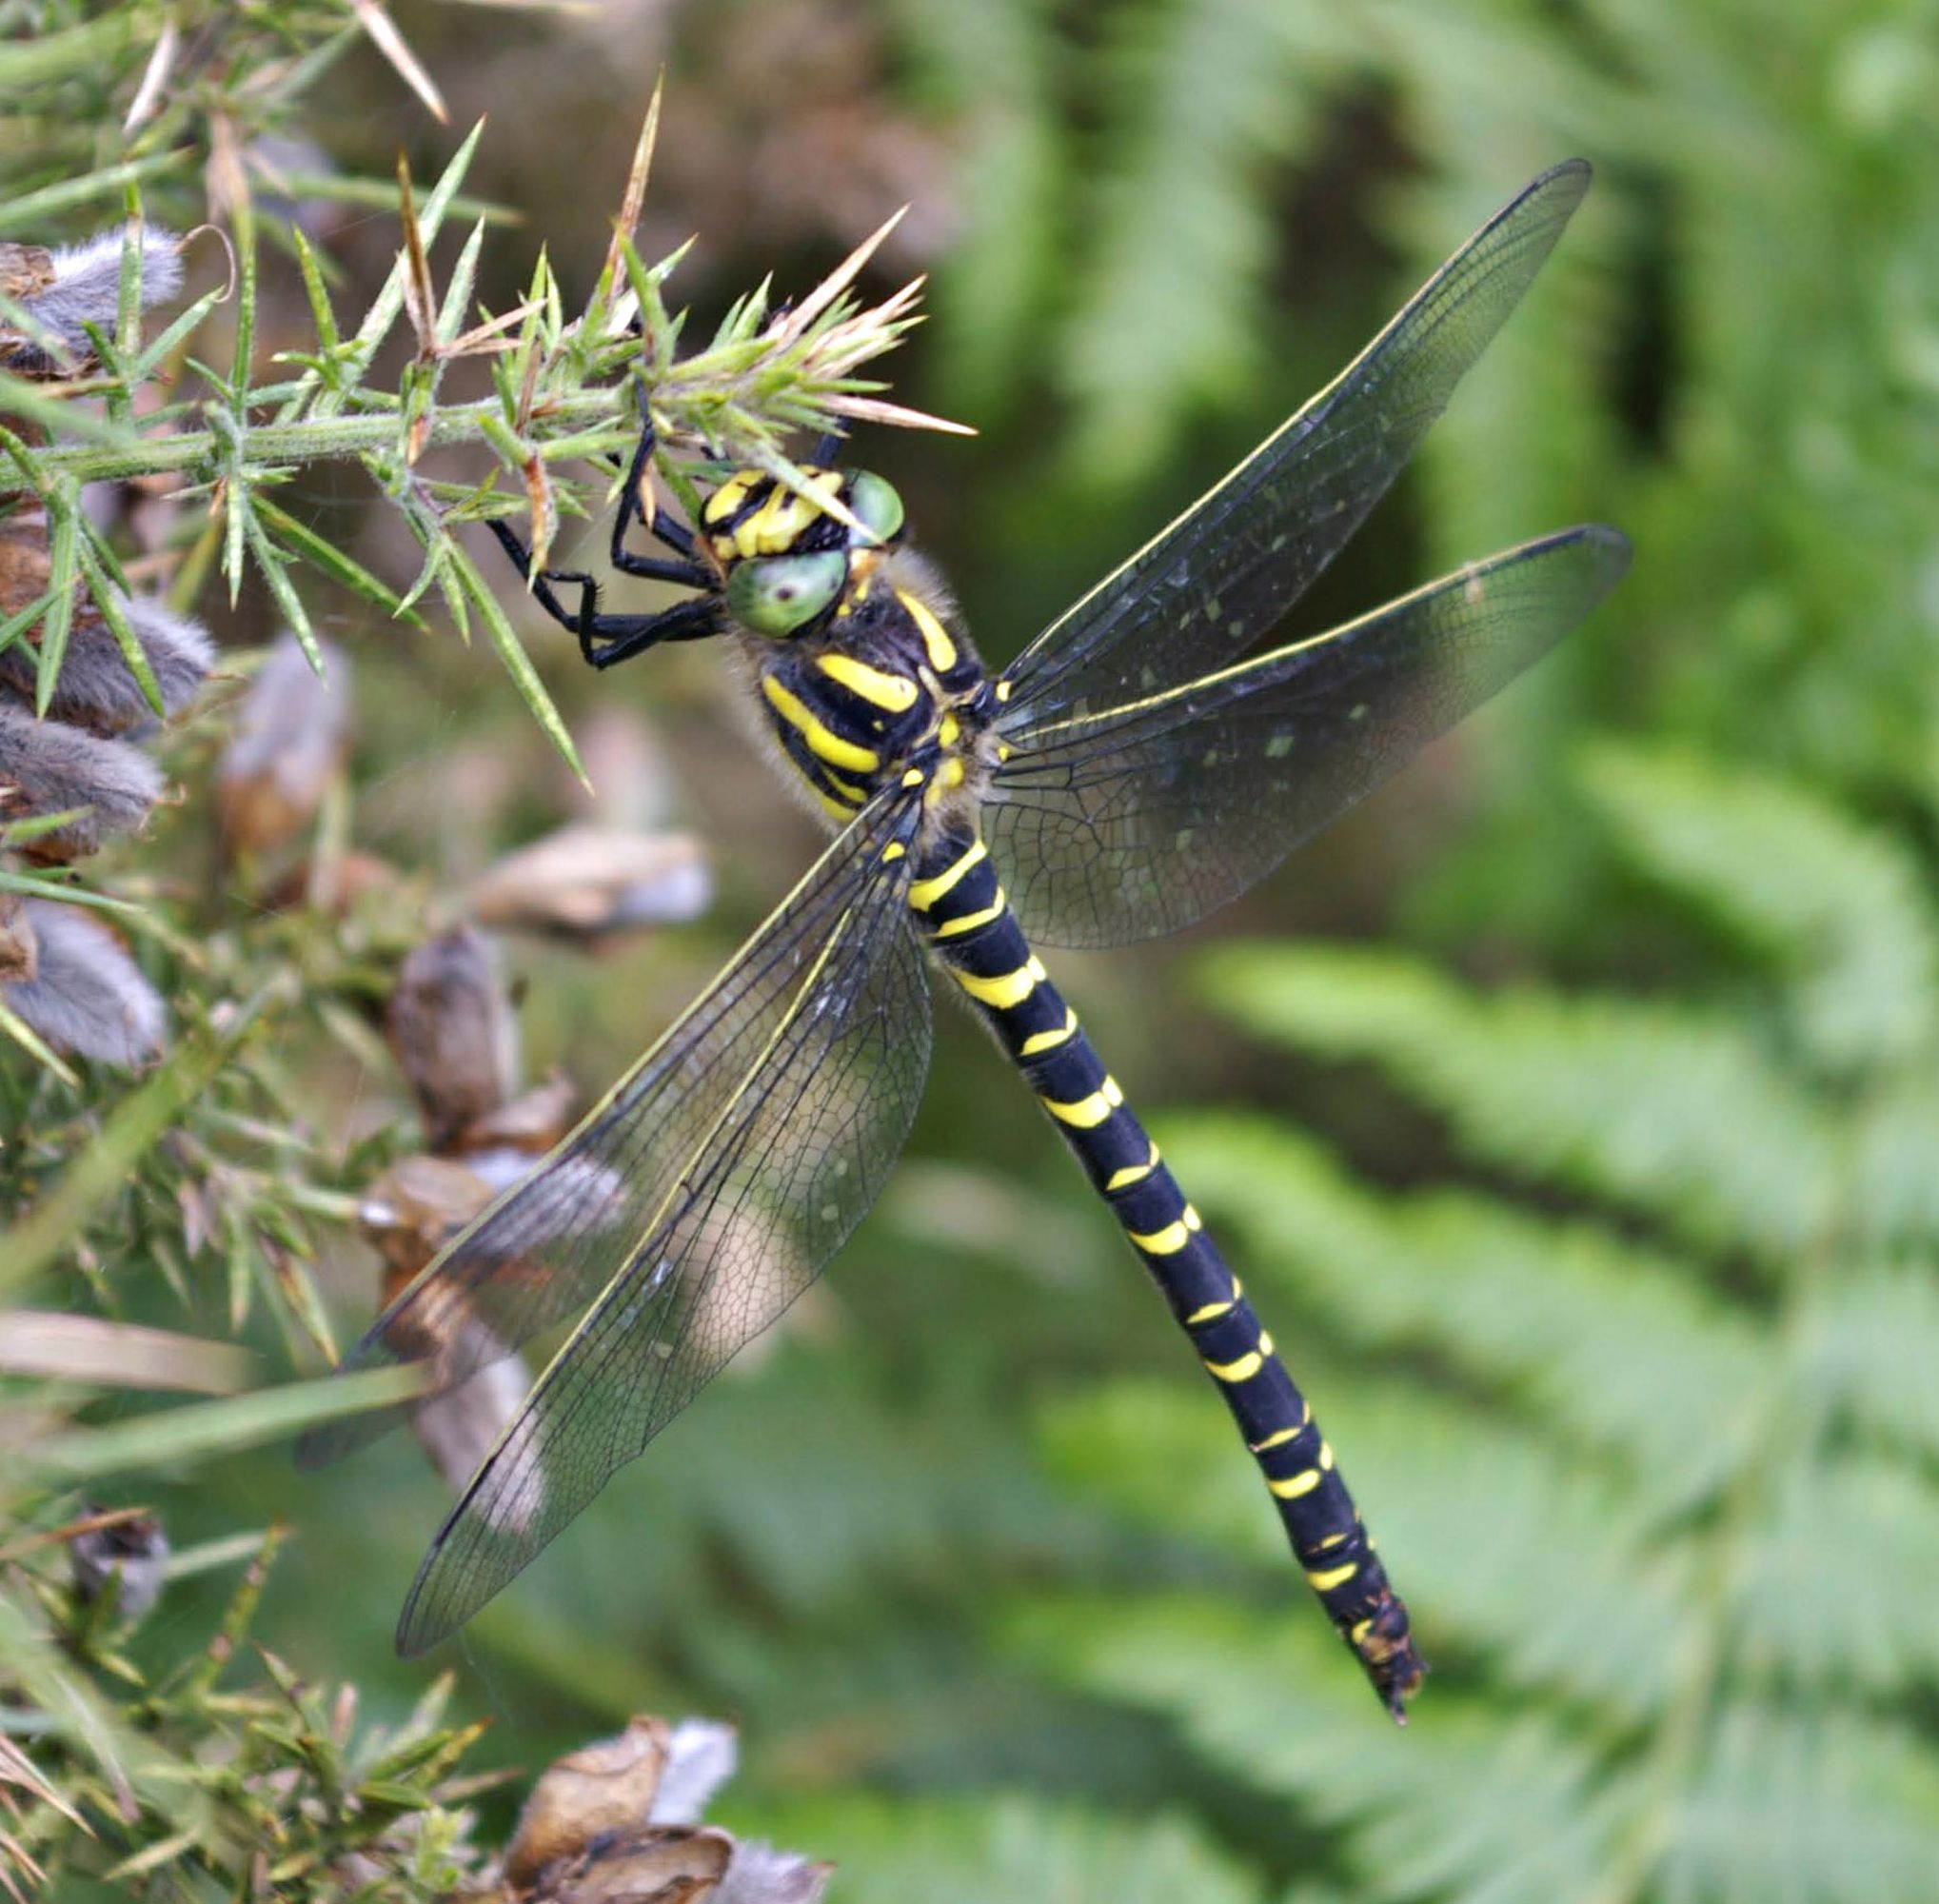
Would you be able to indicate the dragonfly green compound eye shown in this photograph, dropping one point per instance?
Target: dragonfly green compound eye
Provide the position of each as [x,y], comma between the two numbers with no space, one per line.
[779,594]
[877,503]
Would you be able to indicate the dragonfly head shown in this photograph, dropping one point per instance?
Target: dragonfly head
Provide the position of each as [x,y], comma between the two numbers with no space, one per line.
[784,559]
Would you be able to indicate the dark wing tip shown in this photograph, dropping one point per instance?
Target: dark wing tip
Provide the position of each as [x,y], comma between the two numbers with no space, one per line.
[418,1627]
[415,1638]
[1614,548]
[1570,178]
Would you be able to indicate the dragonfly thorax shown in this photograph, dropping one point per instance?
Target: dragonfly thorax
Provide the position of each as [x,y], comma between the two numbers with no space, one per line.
[885,688]
[864,675]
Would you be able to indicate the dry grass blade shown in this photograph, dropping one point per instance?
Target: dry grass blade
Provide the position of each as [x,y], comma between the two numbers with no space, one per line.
[154,78]
[420,297]
[628,222]
[119,1355]
[18,1769]
[486,337]
[794,324]
[390,43]
[899,416]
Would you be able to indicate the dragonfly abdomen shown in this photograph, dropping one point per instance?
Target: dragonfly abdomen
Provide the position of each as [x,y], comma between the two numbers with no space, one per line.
[978,939]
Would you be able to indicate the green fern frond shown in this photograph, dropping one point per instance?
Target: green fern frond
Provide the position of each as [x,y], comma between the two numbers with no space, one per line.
[1201,94]
[1521,1552]
[1870,1344]
[1841,1809]
[1893,1134]
[1836,907]
[1667,1109]
[992,69]
[1836,1590]
[1478,1806]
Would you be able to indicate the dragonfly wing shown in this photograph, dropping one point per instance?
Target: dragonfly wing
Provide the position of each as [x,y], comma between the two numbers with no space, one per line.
[1209,588]
[682,1217]
[548,1248]
[796,1153]
[1141,818]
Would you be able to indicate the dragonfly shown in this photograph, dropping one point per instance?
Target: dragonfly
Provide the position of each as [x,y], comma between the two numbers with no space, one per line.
[1146,759]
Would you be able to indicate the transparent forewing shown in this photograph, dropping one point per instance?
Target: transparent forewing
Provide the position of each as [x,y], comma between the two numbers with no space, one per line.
[769,1183]
[1144,817]
[1208,590]
[549,1246]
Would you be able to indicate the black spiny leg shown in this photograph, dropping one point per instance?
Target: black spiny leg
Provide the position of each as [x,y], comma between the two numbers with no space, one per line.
[606,640]
[687,571]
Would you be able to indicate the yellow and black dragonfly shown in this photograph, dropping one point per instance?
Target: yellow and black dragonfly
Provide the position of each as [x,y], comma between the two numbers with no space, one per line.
[1147,757]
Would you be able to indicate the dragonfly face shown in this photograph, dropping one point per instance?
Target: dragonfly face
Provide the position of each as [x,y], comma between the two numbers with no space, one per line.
[864,670]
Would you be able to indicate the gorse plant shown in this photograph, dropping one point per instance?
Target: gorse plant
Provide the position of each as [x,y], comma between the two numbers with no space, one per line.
[562,388]
[209,1171]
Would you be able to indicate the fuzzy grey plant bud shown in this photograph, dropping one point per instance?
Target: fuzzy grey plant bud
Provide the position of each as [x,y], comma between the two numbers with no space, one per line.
[758,1873]
[95,689]
[586,883]
[66,289]
[127,1557]
[48,768]
[19,949]
[290,737]
[453,1033]
[620,1820]
[701,1755]
[86,997]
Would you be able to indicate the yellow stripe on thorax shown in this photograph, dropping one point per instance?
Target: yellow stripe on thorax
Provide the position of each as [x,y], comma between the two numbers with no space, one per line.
[950,774]
[934,636]
[894,693]
[822,742]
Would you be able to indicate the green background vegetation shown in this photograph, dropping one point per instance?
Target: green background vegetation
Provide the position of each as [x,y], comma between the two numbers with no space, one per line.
[1572,1109]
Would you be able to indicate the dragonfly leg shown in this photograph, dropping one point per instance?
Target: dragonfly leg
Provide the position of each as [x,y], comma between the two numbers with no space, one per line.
[606,640]
[687,571]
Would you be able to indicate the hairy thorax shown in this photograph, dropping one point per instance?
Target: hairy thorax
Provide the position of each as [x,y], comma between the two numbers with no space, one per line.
[886,690]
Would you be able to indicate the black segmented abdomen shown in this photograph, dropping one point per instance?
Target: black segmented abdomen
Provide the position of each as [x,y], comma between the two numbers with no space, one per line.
[974,933]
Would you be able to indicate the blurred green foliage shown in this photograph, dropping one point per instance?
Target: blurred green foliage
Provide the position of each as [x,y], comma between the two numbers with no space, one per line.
[1600,1220]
